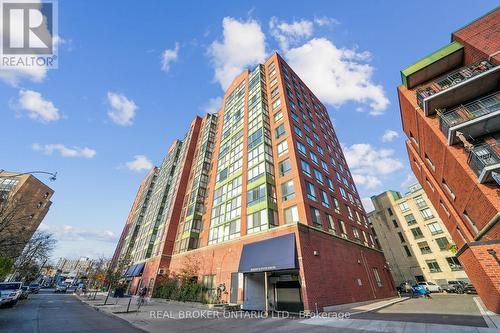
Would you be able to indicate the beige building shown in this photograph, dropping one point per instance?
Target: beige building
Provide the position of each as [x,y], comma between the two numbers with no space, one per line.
[414,239]
[24,202]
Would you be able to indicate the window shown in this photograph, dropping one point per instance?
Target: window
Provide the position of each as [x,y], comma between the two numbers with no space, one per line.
[420,201]
[470,222]
[324,199]
[282,147]
[454,264]
[278,116]
[407,250]
[314,158]
[285,167]
[433,266]
[297,131]
[319,176]
[301,148]
[424,248]
[404,207]
[395,223]
[294,116]
[276,103]
[331,224]
[324,165]
[287,190]
[427,214]
[401,237]
[435,228]
[443,243]
[305,167]
[315,216]
[256,195]
[355,232]
[429,161]
[410,219]
[390,211]
[343,230]
[417,233]
[291,215]
[330,184]
[280,131]
[311,194]
[377,277]
[336,205]
[257,221]
[448,189]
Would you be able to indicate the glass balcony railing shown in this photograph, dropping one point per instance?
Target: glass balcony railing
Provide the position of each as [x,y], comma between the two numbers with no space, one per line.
[483,160]
[451,80]
[464,113]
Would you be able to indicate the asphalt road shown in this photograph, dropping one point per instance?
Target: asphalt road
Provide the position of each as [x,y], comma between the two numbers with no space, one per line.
[47,312]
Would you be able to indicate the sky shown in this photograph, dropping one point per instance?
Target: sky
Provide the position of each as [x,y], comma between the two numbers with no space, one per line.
[133,74]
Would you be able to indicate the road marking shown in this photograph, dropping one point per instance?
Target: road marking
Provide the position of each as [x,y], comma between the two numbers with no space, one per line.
[484,313]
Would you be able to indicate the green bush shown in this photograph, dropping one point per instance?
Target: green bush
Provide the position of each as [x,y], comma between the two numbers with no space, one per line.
[5,267]
[175,290]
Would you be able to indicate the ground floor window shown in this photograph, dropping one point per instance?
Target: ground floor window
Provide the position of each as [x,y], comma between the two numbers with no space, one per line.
[377,277]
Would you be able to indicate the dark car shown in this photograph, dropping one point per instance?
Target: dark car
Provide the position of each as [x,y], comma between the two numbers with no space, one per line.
[469,289]
[34,288]
[404,287]
[25,293]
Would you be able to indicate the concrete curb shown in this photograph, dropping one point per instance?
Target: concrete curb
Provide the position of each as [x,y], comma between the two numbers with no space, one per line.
[397,300]
[109,314]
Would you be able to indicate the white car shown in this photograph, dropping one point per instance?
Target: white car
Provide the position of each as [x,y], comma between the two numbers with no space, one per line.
[431,286]
[11,291]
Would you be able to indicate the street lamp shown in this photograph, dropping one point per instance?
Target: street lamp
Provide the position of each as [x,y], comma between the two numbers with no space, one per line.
[53,175]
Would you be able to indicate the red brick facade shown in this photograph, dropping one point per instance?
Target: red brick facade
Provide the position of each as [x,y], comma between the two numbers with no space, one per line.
[471,212]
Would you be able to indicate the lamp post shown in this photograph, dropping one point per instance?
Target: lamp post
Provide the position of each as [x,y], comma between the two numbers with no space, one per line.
[53,175]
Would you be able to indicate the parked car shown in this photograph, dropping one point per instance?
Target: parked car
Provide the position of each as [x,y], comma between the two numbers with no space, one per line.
[454,287]
[469,289]
[61,288]
[4,300]
[431,286]
[34,288]
[11,291]
[25,293]
[404,287]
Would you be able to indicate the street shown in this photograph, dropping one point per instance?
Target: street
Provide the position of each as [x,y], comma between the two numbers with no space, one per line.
[48,312]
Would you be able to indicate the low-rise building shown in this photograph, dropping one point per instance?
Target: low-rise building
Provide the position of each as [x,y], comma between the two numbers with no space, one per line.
[414,239]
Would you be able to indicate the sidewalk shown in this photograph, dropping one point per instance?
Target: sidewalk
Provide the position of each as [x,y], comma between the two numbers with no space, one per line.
[362,307]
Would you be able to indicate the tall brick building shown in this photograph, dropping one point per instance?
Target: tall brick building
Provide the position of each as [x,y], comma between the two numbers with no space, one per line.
[450,108]
[259,197]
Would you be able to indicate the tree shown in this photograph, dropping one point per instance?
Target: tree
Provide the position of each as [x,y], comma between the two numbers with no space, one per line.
[5,267]
[35,254]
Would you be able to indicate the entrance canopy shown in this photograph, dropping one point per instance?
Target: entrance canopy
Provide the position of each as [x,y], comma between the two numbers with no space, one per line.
[269,255]
[135,270]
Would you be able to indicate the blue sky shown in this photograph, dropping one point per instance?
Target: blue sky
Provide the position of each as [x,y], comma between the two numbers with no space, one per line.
[132,76]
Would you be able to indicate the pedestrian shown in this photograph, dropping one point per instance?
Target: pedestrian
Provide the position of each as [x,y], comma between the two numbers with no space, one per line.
[427,293]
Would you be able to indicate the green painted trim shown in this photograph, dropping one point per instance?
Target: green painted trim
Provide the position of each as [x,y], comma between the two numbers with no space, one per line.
[228,179]
[429,60]
[234,132]
[257,207]
[265,178]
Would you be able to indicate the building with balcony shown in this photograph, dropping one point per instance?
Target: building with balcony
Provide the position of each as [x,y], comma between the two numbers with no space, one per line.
[24,202]
[265,205]
[414,239]
[450,109]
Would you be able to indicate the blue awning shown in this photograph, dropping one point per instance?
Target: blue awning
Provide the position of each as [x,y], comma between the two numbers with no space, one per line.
[129,271]
[273,254]
[139,268]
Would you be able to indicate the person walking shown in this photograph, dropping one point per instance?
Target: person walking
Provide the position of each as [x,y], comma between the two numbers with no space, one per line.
[427,293]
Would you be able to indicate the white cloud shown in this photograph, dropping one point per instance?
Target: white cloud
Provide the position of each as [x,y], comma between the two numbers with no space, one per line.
[139,163]
[337,75]
[168,56]
[389,135]
[122,109]
[368,181]
[368,204]
[409,180]
[71,233]
[213,105]
[36,106]
[324,21]
[290,33]
[64,151]
[368,164]
[243,45]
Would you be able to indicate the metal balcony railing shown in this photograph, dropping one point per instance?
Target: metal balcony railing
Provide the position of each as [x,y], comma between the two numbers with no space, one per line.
[451,79]
[484,156]
[470,111]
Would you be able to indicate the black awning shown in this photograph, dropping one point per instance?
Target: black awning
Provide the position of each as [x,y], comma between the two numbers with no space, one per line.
[269,255]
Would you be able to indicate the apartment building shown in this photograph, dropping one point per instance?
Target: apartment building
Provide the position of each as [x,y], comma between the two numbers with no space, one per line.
[414,239]
[24,202]
[450,109]
[267,208]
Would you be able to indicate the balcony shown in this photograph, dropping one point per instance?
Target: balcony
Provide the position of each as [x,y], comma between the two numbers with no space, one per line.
[458,86]
[484,160]
[472,119]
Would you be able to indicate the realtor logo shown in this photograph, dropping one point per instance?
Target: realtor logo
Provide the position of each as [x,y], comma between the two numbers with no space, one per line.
[28,33]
